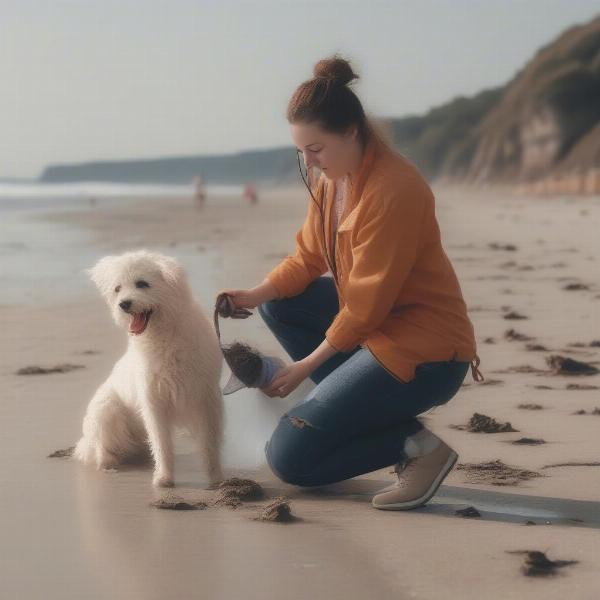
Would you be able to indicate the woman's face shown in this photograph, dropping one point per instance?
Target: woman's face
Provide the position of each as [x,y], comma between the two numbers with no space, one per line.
[333,153]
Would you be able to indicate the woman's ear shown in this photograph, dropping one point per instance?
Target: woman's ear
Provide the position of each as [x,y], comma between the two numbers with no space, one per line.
[351,133]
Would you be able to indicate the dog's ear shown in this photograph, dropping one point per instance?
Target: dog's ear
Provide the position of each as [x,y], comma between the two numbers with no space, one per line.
[173,273]
[102,274]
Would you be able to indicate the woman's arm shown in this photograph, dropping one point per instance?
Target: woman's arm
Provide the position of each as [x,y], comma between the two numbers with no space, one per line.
[290,377]
[320,355]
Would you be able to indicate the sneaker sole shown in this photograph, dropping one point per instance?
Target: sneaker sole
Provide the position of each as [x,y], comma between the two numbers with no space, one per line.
[428,494]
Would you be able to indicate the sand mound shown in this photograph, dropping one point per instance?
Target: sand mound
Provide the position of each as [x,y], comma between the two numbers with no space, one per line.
[479,423]
[232,492]
[277,510]
[496,472]
[177,503]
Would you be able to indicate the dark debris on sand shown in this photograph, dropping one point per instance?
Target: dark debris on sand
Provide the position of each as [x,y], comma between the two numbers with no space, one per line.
[515,336]
[574,287]
[581,386]
[526,441]
[595,412]
[562,365]
[495,472]
[536,348]
[505,247]
[62,453]
[537,564]
[492,382]
[530,406]
[278,510]
[522,369]
[468,513]
[177,503]
[573,464]
[513,315]
[36,370]
[232,492]
[479,423]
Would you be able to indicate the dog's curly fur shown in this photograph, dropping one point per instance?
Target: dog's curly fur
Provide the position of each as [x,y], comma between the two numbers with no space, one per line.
[168,377]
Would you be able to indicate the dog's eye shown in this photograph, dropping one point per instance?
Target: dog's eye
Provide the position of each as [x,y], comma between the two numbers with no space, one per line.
[142,284]
[117,289]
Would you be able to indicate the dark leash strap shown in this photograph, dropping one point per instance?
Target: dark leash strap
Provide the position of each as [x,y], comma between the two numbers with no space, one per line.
[225,307]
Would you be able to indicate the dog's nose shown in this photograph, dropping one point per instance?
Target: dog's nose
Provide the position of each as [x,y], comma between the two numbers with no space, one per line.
[125,305]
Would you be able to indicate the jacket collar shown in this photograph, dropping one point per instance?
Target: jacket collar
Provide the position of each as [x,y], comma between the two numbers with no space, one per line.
[370,153]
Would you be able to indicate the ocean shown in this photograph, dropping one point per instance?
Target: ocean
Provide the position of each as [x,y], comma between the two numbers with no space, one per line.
[44,262]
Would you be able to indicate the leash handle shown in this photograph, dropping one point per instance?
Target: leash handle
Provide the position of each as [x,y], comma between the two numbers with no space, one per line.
[225,307]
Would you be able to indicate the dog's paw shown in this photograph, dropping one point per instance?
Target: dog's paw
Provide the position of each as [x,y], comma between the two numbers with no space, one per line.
[163,481]
[108,462]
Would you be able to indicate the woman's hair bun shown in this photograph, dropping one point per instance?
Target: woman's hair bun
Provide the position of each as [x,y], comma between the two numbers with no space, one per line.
[336,69]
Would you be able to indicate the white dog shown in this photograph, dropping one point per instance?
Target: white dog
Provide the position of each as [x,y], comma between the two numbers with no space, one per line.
[168,377]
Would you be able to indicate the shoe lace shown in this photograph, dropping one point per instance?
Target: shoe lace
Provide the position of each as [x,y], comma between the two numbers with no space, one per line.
[404,469]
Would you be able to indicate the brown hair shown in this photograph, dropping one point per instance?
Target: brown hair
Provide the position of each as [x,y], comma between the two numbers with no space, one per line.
[327,100]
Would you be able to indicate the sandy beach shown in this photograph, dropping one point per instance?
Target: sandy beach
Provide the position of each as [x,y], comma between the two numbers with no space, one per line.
[526,264]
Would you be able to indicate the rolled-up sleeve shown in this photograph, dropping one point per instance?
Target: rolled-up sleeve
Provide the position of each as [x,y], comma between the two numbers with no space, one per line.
[293,274]
[387,244]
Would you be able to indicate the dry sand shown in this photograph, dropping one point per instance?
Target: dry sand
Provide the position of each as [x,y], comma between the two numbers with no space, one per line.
[70,532]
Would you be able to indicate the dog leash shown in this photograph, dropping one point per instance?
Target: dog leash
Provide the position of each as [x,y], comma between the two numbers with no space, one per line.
[225,307]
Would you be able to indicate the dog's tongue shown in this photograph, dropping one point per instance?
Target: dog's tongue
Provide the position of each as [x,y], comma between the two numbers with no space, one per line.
[137,323]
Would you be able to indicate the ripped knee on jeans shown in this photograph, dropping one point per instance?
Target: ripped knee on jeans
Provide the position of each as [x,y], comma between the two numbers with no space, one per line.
[299,422]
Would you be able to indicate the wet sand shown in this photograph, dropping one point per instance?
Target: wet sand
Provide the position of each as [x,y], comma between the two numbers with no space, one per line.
[70,532]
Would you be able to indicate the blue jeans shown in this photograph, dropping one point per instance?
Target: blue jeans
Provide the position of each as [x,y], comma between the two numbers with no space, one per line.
[359,415]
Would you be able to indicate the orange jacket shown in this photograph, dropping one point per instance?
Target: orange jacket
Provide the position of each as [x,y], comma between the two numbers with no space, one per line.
[398,292]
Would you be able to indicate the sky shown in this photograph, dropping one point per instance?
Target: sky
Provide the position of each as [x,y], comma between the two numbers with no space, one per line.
[89,80]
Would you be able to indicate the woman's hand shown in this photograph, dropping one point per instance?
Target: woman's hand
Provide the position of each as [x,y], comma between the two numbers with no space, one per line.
[242,298]
[286,380]
[253,297]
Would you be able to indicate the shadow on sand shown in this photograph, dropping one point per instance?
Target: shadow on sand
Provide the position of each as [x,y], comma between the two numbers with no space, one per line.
[493,506]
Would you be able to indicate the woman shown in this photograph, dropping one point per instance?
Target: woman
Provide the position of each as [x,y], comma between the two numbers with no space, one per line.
[388,336]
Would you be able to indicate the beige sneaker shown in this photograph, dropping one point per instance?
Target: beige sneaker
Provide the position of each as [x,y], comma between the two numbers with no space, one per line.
[418,481]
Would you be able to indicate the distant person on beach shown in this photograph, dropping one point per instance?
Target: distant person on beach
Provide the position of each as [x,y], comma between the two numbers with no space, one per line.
[386,337]
[250,193]
[199,192]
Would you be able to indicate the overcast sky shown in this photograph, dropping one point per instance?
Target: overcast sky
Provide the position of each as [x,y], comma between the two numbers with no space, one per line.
[109,79]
